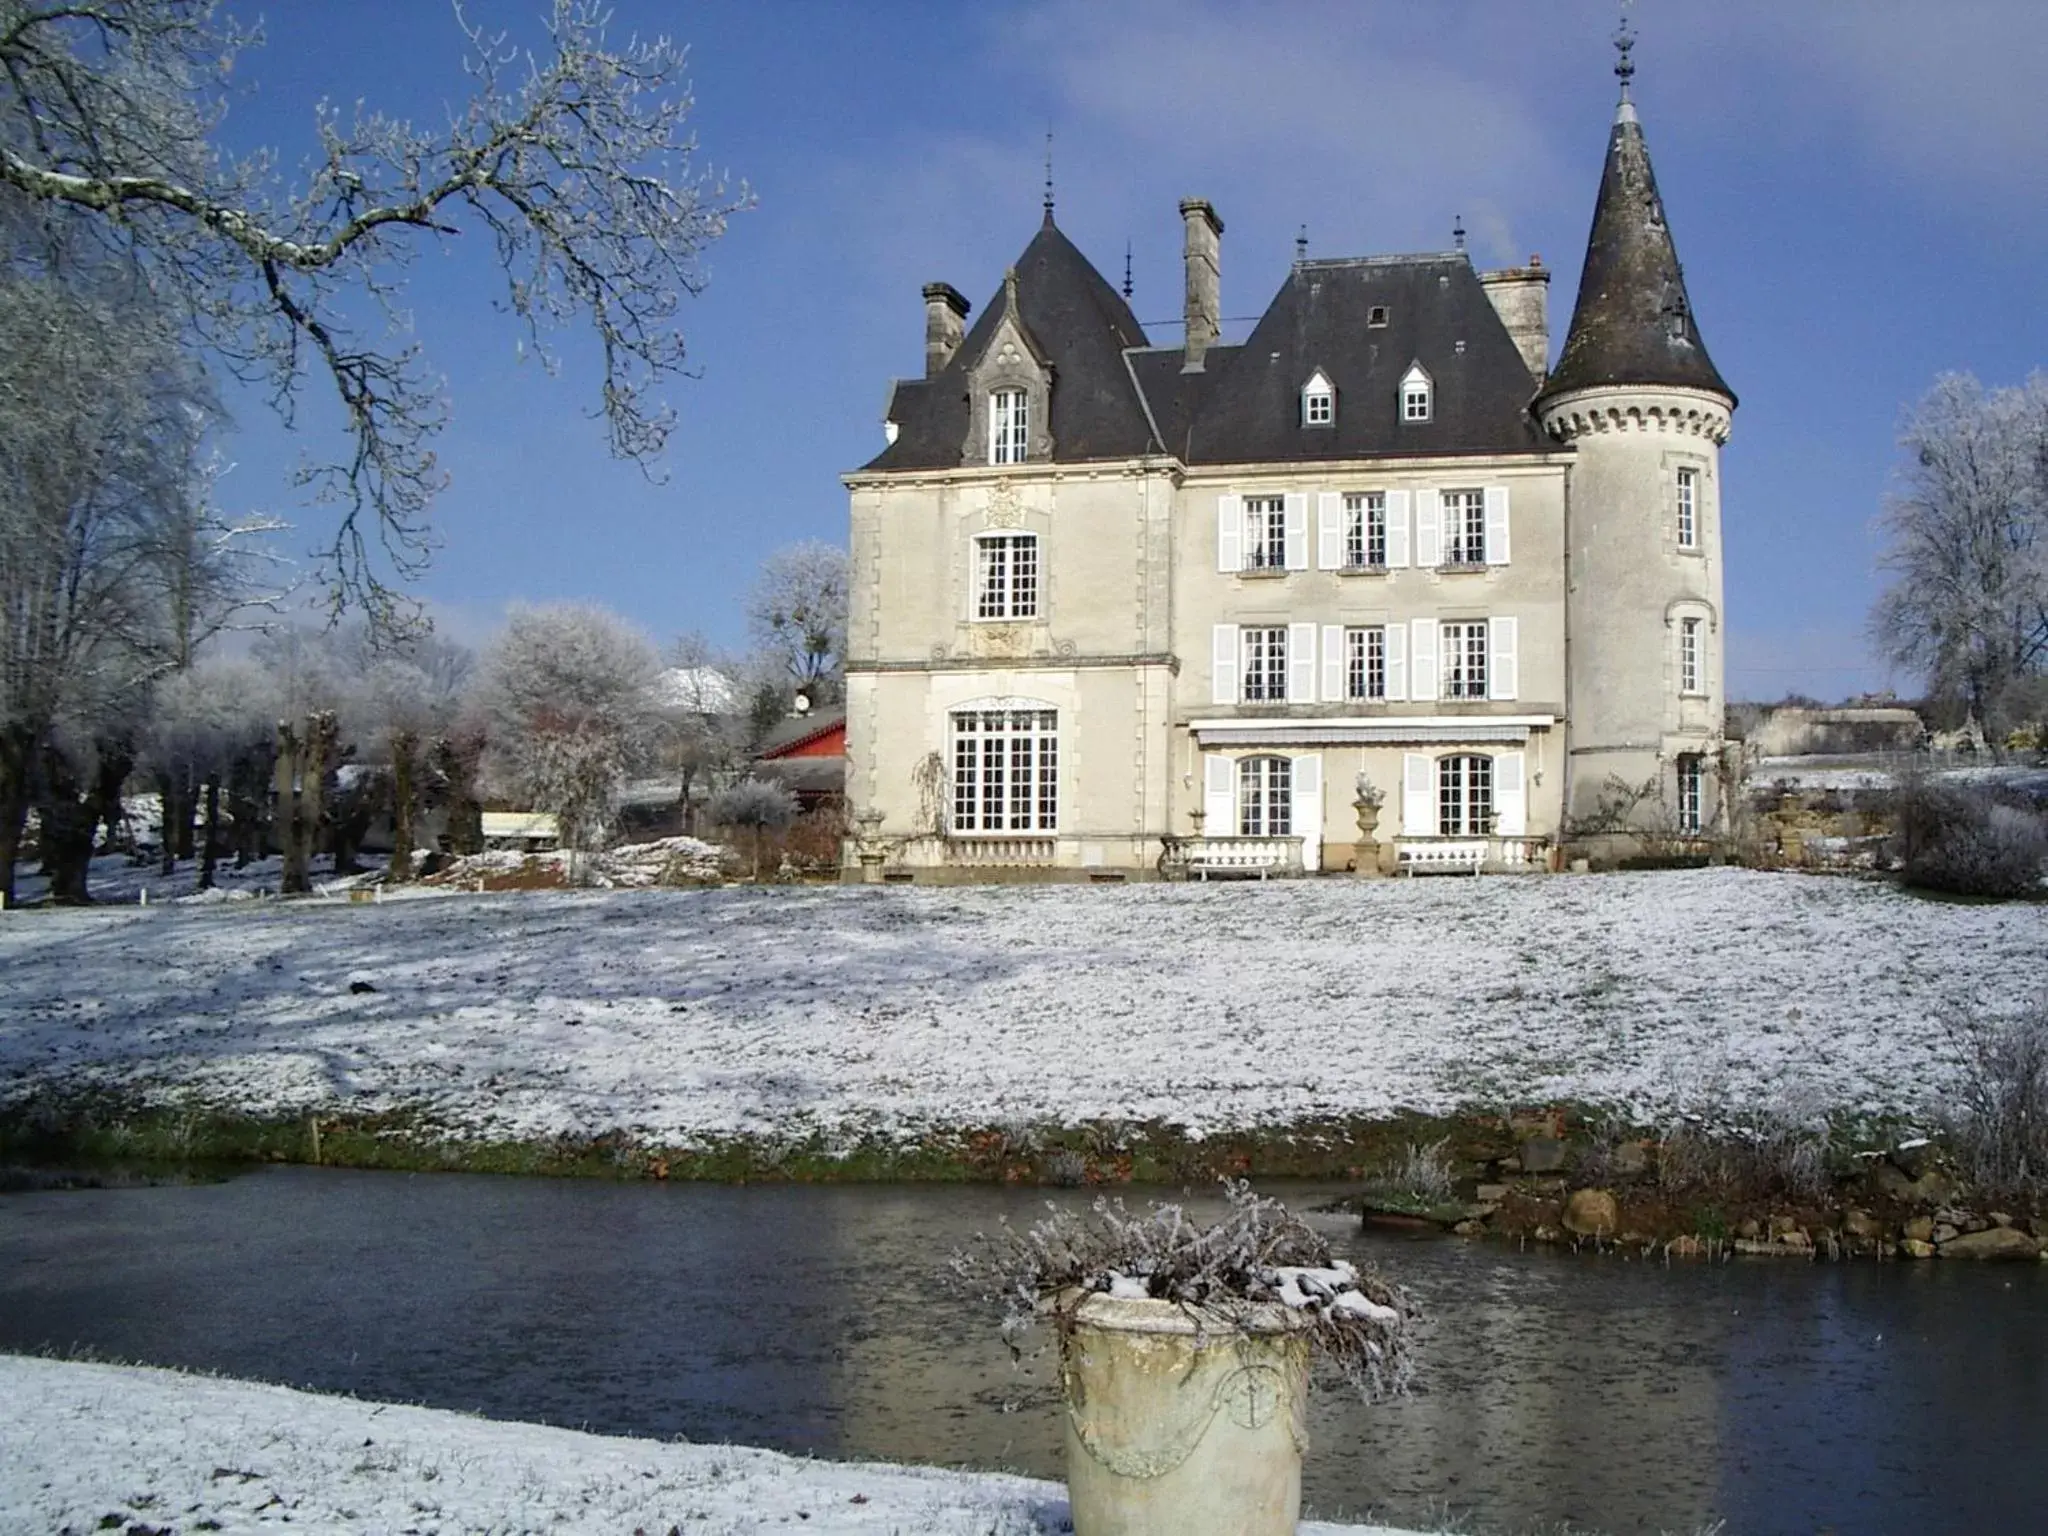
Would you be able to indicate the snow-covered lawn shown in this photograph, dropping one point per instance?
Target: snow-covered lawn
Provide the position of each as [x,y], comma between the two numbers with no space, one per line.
[885,1012]
[90,1447]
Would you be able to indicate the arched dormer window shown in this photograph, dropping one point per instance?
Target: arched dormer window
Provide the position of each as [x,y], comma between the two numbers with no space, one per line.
[1416,403]
[1318,401]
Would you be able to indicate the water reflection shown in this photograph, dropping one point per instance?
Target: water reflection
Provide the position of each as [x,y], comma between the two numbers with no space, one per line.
[1627,1396]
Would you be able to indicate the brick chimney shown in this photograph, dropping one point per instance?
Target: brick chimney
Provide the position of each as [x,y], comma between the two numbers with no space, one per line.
[1521,297]
[945,323]
[1204,255]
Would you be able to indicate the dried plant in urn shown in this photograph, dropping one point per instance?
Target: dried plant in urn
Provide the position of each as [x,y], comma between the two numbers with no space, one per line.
[1186,1351]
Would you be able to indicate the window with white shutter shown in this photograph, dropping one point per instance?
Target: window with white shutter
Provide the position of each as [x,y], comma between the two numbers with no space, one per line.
[1429,529]
[1308,810]
[1333,664]
[1397,528]
[1463,517]
[1464,795]
[1496,525]
[1296,504]
[1264,663]
[1301,663]
[1265,533]
[1397,660]
[1418,795]
[1510,795]
[1504,659]
[1422,677]
[1219,796]
[1229,533]
[1265,797]
[1223,664]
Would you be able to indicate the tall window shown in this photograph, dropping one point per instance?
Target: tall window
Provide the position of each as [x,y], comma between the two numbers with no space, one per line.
[1265,533]
[1009,427]
[1265,664]
[1365,529]
[1005,770]
[1365,662]
[1464,527]
[1689,656]
[1692,791]
[1464,660]
[1006,581]
[1318,403]
[1265,797]
[1688,509]
[1464,796]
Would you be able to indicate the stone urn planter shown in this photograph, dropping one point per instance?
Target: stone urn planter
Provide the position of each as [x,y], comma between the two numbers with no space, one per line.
[1185,1353]
[1177,1425]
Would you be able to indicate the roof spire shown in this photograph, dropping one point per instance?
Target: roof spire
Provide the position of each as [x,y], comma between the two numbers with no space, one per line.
[1301,244]
[1048,175]
[1624,65]
[1127,271]
[1458,232]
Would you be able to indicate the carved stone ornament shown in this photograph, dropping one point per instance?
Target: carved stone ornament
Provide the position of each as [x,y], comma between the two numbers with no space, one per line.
[1002,640]
[1004,510]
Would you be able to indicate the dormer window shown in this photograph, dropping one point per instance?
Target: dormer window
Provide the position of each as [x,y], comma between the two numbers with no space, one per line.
[1376,317]
[1318,402]
[1415,395]
[1009,432]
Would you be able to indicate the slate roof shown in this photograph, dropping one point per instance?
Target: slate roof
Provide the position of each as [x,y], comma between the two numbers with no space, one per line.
[1080,324]
[1114,396]
[1437,314]
[1633,323]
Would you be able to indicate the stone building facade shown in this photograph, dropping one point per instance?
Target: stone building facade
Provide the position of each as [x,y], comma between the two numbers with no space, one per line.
[1122,609]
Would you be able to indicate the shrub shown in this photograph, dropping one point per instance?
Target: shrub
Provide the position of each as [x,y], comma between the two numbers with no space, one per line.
[1999,1126]
[755,806]
[1779,1155]
[1419,1179]
[1257,1256]
[1964,841]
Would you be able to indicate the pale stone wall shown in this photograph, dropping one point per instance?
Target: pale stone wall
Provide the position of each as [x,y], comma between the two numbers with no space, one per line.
[1632,586]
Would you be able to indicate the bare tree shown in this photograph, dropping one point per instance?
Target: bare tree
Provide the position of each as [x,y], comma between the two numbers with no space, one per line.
[797,615]
[570,696]
[575,162]
[703,735]
[413,699]
[757,805]
[210,723]
[1968,550]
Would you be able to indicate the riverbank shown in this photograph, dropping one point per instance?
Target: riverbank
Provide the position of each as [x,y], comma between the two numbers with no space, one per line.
[128,1448]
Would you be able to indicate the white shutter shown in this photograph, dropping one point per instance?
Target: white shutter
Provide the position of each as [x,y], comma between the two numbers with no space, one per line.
[1308,810]
[1223,665]
[1496,525]
[1329,531]
[1429,529]
[1333,663]
[1422,659]
[1301,663]
[1229,533]
[1296,503]
[1219,796]
[1418,796]
[1510,796]
[1397,528]
[1397,661]
[1503,666]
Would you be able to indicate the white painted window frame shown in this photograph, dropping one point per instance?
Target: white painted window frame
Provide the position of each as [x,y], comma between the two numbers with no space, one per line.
[1004,591]
[1009,425]
[1004,805]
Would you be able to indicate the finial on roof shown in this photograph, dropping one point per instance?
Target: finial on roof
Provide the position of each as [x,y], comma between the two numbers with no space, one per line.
[1127,271]
[1010,291]
[1458,233]
[1301,244]
[1624,42]
[1048,175]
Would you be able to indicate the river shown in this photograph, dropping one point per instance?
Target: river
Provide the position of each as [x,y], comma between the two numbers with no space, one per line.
[1622,1396]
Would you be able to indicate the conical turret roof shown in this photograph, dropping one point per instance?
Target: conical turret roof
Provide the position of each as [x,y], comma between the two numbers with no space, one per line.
[1633,323]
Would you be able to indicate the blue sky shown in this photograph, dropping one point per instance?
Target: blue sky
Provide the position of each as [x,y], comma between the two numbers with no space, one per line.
[1859,193]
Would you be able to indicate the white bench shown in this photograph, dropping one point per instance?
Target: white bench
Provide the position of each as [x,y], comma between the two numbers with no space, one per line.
[1441,858]
[1248,856]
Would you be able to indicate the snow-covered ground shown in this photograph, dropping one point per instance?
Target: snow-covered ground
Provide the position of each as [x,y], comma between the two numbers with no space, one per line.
[124,1447]
[877,1013]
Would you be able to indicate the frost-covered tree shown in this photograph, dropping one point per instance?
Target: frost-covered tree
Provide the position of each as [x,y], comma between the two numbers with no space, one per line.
[413,700]
[703,726]
[317,687]
[102,422]
[216,723]
[569,693]
[1967,534]
[796,613]
[572,163]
